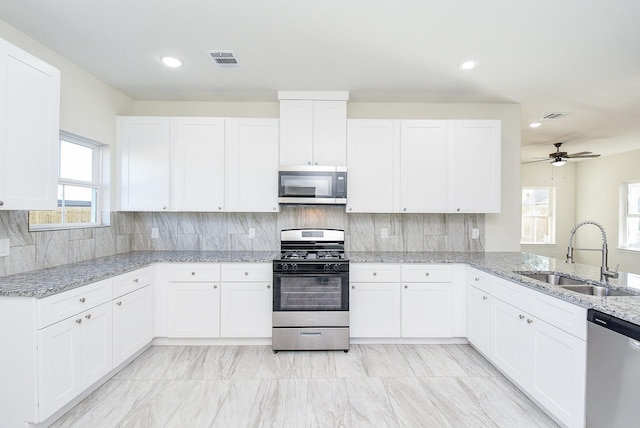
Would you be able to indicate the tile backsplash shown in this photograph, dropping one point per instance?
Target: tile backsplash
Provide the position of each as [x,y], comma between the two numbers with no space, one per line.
[230,231]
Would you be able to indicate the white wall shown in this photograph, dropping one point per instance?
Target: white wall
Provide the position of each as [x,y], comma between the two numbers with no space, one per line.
[597,198]
[563,179]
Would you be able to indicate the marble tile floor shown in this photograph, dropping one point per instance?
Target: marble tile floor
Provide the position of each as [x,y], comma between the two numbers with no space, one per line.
[249,386]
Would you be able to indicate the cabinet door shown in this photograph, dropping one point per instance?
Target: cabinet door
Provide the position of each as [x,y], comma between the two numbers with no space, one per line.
[475,173]
[296,132]
[60,366]
[97,343]
[330,133]
[252,165]
[558,372]
[424,165]
[479,320]
[374,309]
[510,344]
[29,131]
[371,155]
[427,310]
[197,164]
[145,153]
[132,323]
[194,309]
[245,309]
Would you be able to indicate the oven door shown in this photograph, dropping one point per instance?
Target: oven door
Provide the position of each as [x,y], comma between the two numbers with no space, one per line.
[298,292]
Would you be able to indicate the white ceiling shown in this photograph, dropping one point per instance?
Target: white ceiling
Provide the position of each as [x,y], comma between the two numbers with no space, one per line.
[575,56]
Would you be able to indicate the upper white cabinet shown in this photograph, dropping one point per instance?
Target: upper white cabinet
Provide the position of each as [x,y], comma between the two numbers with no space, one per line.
[371,165]
[475,179]
[145,154]
[198,164]
[29,129]
[423,166]
[252,165]
[313,128]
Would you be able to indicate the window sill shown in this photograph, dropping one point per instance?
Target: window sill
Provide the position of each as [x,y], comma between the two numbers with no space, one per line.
[628,250]
[51,227]
[536,244]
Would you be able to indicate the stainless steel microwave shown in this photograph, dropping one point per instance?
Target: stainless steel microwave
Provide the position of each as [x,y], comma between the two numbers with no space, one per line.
[312,185]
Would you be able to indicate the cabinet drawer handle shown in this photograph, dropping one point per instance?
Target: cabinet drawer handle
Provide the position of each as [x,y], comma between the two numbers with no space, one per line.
[521,317]
[88,316]
[79,321]
[119,303]
[82,300]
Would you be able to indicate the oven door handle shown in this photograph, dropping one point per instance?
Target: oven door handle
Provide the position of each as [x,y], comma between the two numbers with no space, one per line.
[310,333]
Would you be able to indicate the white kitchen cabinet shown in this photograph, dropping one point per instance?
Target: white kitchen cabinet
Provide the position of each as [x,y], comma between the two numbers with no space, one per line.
[313,131]
[73,354]
[132,323]
[246,300]
[145,162]
[193,300]
[198,164]
[475,179]
[424,165]
[29,131]
[372,165]
[375,300]
[252,165]
[479,330]
[427,300]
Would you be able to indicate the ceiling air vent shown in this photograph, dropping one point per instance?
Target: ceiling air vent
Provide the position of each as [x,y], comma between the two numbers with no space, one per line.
[551,116]
[226,60]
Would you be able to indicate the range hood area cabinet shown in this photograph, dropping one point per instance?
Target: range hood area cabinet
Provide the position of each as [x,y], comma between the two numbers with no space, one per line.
[424,166]
[29,131]
[197,164]
[313,128]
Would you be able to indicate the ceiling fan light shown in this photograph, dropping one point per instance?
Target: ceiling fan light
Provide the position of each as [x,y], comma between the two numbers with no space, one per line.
[558,162]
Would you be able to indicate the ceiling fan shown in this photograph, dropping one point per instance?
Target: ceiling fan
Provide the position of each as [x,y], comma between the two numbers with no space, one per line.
[559,158]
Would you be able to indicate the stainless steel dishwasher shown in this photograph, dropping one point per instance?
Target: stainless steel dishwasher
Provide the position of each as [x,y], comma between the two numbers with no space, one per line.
[613,372]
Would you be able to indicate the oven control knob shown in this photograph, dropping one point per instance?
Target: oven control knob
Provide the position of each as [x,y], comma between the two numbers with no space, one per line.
[285,266]
[327,267]
[294,266]
[336,267]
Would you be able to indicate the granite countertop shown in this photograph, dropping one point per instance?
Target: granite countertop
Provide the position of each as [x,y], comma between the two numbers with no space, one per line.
[46,282]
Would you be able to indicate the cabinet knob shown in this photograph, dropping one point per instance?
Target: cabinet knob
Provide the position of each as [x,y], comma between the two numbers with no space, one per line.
[458,209]
[529,321]
[215,286]
[404,209]
[136,280]
[219,208]
[193,274]
[119,303]
[426,274]
[521,316]
[477,279]
[375,274]
[309,163]
[246,274]
[274,208]
[406,286]
[353,287]
[88,316]
[82,300]
[268,286]
[484,297]
[316,163]
[1,203]
[164,208]
[350,209]
[79,321]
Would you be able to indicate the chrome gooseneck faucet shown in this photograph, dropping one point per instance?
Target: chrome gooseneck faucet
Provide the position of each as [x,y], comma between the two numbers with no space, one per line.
[605,273]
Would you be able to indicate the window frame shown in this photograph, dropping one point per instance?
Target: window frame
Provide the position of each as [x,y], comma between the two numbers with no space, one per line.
[625,215]
[95,183]
[552,215]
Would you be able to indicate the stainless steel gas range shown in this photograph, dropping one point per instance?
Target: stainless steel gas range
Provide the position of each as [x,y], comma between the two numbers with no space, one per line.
[311,291]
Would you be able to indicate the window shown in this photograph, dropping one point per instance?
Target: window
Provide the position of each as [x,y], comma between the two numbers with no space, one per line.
[538,217]
[630,222]
[78,187]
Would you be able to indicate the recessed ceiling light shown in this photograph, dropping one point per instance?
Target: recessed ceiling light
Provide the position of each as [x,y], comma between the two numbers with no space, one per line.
[172,62]
[468,65]
[534,124]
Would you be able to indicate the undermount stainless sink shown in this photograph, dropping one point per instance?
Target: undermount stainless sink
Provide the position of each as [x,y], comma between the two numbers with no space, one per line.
[574,284]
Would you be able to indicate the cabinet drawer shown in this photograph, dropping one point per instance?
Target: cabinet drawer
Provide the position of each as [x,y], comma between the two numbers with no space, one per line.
[131,281]
[374,272]
[558,313]
[64,305]
[427,273]
[200,272]
[478,279]
[514,294]
[247,272]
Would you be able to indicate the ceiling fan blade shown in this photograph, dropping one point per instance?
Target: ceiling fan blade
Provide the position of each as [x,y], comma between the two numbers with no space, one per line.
[579,154]
[533,161]
[582,156]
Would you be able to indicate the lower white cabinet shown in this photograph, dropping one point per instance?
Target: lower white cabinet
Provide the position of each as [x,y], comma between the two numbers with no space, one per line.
[132,323]
[193,300]
[479,319]
[427,310]
[375,309]
[246,300]
[73,354]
